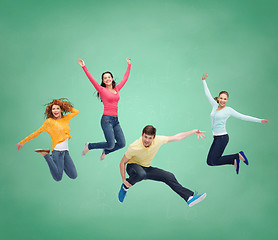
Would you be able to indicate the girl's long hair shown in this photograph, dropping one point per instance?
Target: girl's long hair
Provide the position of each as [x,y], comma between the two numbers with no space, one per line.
[64,104]
[103,84]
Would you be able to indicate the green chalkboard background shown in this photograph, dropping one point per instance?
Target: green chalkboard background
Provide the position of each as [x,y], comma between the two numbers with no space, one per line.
[171,44]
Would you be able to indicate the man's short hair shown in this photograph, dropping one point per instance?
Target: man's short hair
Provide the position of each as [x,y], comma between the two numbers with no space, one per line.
[149,130]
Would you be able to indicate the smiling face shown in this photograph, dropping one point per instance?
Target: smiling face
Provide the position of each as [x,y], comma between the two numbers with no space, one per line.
[56,111]
[222,100]
[107,79]
[147,139]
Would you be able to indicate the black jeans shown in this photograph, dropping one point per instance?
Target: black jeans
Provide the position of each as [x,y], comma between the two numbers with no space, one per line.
[138,173]
[217,148]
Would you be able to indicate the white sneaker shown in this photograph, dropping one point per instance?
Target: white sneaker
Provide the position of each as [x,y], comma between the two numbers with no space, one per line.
[192,200]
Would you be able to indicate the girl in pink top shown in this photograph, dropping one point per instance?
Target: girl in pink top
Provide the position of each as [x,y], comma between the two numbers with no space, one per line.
[108,91]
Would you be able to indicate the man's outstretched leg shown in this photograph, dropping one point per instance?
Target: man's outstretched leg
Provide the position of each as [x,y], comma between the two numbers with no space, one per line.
[169,178]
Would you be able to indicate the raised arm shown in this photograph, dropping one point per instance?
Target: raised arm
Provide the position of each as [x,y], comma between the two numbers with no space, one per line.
[183,135]
[207,92]
[30,137]
[122,170]
[92,80]
[122,83]
[73,113]
[238,115]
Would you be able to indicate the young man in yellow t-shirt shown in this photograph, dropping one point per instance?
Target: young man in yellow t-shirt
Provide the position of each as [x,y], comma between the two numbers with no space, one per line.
[139,156]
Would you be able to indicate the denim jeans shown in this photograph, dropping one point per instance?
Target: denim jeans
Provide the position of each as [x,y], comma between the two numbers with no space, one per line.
[112,131]
[138,173]
[59,162]
[217,148]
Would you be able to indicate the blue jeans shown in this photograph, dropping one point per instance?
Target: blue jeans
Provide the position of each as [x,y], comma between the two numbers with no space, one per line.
[138,173]
[217,148]
[112,131]
[59,162]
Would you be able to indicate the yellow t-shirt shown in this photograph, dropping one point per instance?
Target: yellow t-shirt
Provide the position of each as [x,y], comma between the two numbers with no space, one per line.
[139,154]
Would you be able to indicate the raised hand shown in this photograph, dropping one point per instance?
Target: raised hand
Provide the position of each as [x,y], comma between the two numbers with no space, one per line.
[204,76]
[200,134]
[264,121]
[19,146]
[81,62]
[128,60]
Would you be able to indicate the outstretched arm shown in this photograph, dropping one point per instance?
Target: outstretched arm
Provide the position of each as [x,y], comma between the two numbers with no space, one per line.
[122,170]
[183,135]
[30,137]
[92,80]
[238,115]
[122,83]
[207,92]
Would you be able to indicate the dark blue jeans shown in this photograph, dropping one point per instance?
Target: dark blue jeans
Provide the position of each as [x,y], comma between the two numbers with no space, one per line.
[59,162]
[112,132]
[217,148]
[138,173]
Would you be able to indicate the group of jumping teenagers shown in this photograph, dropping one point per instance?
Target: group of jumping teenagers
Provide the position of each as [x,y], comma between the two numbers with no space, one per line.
[139,155]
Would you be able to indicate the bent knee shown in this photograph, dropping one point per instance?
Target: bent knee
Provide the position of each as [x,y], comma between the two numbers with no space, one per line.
[210,163]
[57,179]
[141,175]
[170,176]
[122,144]
[110,145]
[73,176]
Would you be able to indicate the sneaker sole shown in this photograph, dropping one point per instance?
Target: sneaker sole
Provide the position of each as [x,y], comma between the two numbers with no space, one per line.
[198,200]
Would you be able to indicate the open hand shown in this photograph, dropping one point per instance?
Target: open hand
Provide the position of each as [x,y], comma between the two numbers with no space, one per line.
[204,76]
[200,134]
[19,146]
[264,121]
[81,62]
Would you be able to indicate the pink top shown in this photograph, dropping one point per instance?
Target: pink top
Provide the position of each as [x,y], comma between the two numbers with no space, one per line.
[110,100]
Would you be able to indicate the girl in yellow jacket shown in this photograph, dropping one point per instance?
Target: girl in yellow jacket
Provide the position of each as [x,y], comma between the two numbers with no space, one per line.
[57,126]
